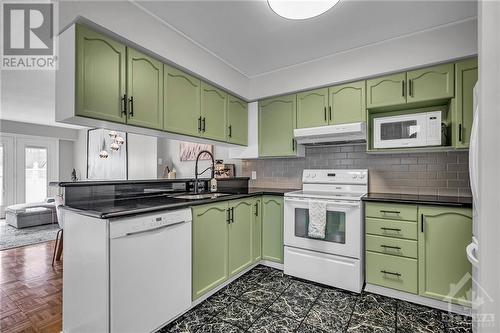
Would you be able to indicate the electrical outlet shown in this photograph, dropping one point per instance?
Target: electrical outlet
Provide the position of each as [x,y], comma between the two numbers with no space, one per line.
[254,175]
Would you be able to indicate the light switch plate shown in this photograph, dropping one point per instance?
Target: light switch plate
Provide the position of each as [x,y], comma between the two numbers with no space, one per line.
[254,175]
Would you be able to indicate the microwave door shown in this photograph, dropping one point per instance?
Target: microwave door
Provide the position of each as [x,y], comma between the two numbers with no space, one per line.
[403,132]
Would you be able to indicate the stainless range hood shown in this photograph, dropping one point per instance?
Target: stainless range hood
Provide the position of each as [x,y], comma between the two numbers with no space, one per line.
[331,134]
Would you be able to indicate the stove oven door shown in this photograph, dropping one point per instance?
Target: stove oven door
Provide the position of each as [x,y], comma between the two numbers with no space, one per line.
[343,227]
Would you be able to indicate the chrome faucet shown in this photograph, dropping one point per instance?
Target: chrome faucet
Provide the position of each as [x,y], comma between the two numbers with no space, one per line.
[196,174]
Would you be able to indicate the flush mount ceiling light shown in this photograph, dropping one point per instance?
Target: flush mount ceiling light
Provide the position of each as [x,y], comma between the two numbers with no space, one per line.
[300,9]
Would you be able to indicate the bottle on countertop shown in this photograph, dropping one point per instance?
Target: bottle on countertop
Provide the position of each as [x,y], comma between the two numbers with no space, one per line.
[213,185]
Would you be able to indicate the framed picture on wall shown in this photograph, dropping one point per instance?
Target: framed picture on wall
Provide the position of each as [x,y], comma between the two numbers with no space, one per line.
[189,151]
[106,154]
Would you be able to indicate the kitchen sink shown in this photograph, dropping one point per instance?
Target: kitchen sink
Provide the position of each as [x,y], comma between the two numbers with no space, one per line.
[202,196]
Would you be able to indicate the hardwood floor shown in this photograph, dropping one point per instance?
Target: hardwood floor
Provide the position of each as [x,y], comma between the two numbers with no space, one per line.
[30,290]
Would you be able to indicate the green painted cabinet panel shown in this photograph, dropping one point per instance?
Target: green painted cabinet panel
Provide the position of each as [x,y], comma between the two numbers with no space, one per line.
[237,121]
[391,228]
[431,83]
[392,272]
[257,230]
[100,76]
[181,106]
[312,108]
[466,73]
[272,228]
[393,246]
[210,247]
[347,103]
[386,90]
[388,210]
[277,120]
[443,266]
[144,90]
[240,235]
[213,112]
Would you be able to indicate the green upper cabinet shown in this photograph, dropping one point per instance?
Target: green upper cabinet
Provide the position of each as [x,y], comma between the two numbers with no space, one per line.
[431,83]
[272,228]
[347,103]
[210,247]
[257,230]
[240,235]
[277,120]
[181,102]
[444,270]
[386,90]
[100,76]
[237,121]
[213,112]
[144,90]
[312,108]
[466,73]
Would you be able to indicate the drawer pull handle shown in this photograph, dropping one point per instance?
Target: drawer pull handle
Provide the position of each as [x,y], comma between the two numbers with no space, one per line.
[391,273]
[390,247]
[390,212]
[390,229]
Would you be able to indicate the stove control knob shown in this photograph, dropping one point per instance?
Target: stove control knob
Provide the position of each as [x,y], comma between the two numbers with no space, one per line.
[313,175]
[354,176]
[362,176]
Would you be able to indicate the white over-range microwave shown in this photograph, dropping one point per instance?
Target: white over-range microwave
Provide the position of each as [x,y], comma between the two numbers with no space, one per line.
[409,130]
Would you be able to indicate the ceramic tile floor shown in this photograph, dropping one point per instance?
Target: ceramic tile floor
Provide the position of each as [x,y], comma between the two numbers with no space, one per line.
[266,300]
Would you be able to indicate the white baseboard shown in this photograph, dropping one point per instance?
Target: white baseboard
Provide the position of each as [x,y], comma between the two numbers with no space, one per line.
[433,303]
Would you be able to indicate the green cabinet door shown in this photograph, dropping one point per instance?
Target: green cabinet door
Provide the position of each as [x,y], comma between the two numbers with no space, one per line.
[210,247]
[466,73]
[432,83]
[312,108]
[181,106]
[237,121]
[100,76]
[240,235]
[386,91]
[444,270]
[144,90]
[347,103]
[272,228]
[213,112]
[277,120]
[257,230]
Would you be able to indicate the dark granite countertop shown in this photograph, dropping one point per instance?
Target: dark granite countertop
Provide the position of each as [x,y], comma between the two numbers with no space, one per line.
[439,200]
[154,203]
[142,181]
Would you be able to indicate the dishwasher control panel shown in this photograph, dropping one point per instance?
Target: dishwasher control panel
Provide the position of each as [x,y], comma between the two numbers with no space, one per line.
[131,225]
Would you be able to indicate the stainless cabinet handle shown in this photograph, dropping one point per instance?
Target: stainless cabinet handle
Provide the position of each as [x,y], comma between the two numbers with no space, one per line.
[390,273]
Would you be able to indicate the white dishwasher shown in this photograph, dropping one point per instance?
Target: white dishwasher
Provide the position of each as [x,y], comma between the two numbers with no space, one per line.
[150,270]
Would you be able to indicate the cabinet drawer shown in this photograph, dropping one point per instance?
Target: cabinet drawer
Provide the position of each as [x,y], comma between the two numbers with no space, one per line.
[391,228]
[391,211]
[392,272]
[394,246]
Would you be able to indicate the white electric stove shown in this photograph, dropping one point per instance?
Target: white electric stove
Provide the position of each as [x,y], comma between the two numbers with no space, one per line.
[337,259]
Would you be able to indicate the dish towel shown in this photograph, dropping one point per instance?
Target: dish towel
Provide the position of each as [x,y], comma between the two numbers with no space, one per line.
[317,219]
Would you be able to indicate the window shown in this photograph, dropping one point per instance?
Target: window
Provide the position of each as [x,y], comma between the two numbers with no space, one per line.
[36,174]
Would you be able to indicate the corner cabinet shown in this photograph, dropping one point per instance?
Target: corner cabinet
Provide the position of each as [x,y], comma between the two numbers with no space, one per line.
[466,74]
[237,121]
[444,271]
[100,81]
[277,120]
[272,228]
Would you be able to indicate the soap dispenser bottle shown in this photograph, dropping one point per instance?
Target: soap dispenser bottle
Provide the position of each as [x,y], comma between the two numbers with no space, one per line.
[213,185]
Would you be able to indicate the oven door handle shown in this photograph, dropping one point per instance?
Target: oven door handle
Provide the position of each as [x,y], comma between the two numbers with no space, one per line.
[336,203]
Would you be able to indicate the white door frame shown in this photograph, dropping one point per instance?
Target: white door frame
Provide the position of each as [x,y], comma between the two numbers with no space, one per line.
[8,186]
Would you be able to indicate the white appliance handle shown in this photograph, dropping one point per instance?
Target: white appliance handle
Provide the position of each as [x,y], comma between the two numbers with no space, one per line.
[471,250]
[337,203]
[473,167]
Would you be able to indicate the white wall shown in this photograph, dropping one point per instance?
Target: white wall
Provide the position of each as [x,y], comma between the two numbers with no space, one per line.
[169,152]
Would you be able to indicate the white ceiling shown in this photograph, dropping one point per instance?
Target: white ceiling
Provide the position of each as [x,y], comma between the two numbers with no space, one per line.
[250,37]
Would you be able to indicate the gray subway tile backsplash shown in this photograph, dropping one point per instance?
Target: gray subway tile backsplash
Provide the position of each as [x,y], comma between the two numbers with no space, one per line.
[443,173]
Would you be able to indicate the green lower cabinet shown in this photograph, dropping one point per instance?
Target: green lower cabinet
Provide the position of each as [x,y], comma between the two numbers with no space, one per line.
[213,112]
[210,247]
[237,121]
[277,120]
[391,211]
[393,246]
[272,228]
[466,73]
[144,90]
[444,271]
[240,235]
[386,91]
[431,83]
[312,108]
[392,272]
[347,103]
[391,228]
[257,230]
[100,76]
